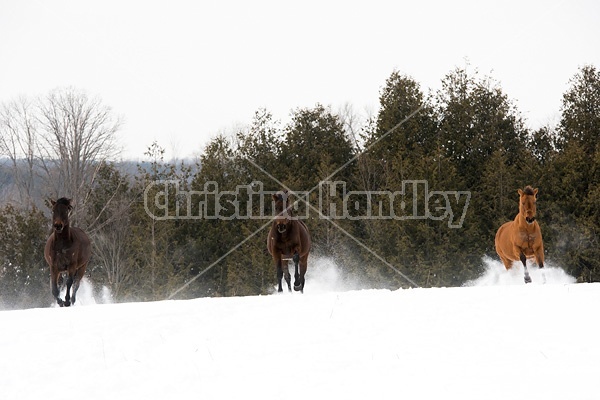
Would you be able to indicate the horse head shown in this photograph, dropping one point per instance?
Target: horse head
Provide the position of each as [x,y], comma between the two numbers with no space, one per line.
[527,204]
[60,213]
[283,211]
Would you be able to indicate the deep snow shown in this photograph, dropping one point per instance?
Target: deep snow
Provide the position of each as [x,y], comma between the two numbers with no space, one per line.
[496,339]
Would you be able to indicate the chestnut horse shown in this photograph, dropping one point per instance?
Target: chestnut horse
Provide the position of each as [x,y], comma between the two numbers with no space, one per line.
[288,240]
[522,238]
[67,251]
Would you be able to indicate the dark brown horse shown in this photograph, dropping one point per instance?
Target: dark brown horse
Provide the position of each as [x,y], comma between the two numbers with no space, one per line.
[288,240]
[67,251]
[522,238]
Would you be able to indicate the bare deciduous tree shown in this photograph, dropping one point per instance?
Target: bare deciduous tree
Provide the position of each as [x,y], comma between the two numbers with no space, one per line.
[110,252]
[18,139]
[77,133]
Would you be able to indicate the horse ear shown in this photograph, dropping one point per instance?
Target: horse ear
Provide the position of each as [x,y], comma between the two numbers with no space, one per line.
[535,192]
[520,192]
[275,197]
[52,202]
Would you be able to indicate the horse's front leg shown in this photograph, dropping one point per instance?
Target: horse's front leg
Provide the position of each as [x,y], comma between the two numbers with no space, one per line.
[524,261]
[539,256]
[299,273]
[539,259]
[279,275]
[68,295]
[77,280]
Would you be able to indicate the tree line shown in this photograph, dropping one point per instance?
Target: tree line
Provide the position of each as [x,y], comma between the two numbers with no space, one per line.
[394,175]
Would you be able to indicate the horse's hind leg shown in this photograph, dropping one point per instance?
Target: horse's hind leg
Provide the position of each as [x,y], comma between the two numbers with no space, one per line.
[280,273]
[54,282]
[507,262]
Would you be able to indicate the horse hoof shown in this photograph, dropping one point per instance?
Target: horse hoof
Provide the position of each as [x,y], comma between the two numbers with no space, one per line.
[67,303]
[527,279]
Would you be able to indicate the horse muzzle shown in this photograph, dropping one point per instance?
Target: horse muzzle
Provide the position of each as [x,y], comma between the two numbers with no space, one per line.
[530,220]
[59,227]
[281,228]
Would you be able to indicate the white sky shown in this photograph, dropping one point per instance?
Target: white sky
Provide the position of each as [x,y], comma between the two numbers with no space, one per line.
[180,72]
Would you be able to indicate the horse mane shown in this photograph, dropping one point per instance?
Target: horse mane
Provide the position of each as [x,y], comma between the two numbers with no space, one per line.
[528,190]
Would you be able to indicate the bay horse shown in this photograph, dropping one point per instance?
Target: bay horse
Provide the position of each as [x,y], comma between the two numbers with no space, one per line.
[288,239]
[67,251]
[521,239]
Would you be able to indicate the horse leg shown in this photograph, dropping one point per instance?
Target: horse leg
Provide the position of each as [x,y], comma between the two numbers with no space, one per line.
[54,282]
[299,275]
[539,259]
[524,261]
[296,259]
[78,277]
[279,276]
[303,267]
[507,262]
[281,272]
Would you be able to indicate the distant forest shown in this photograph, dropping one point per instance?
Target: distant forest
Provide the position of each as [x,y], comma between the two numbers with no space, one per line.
[159,230]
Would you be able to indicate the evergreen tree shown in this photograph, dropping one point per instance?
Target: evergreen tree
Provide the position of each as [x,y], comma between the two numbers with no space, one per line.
[476,118]
[158,264]
[405,122]
[313,137]
[580,120]
[24,274]
[575,175]
[261,144]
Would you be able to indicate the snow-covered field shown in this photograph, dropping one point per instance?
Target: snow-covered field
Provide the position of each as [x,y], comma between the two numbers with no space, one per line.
[496,339]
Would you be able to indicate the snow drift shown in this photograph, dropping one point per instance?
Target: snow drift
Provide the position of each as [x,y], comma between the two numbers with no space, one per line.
[496,274]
